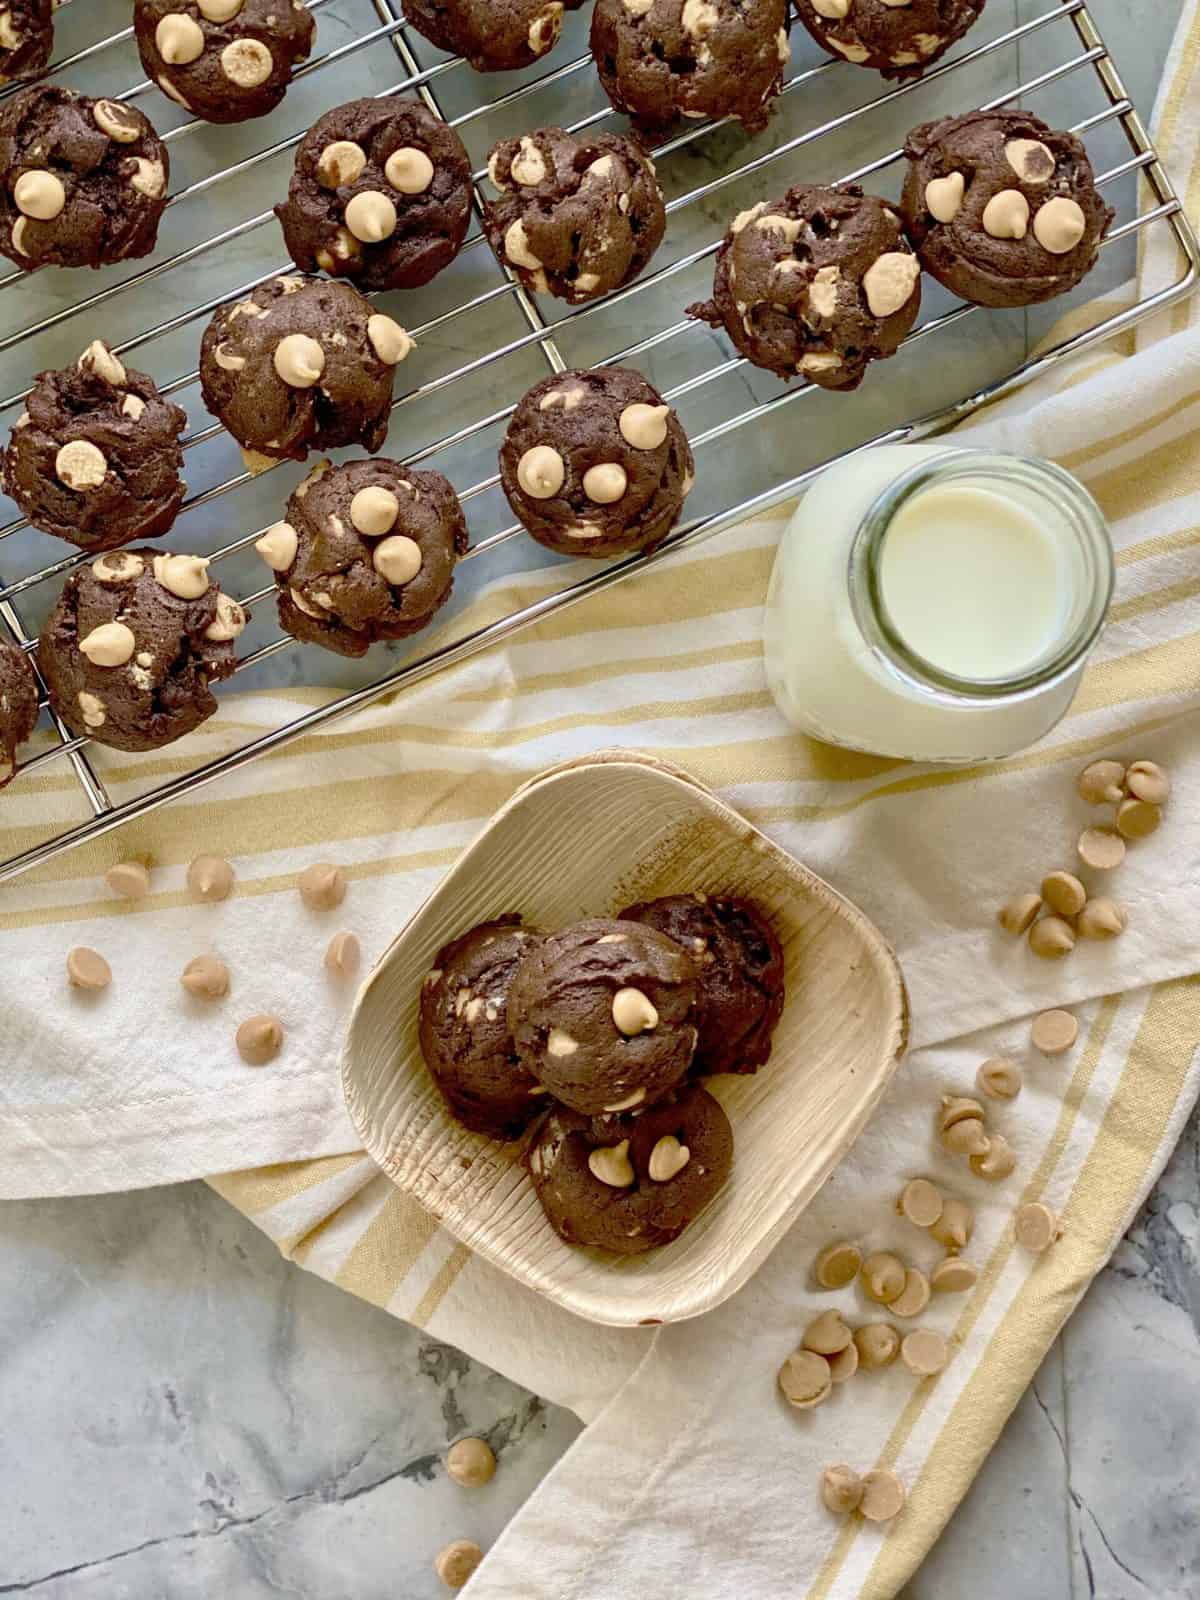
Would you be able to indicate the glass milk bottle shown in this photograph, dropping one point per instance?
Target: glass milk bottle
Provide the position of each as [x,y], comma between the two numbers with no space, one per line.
[936,604]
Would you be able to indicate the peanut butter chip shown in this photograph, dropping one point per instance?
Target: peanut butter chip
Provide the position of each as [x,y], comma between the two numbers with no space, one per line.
[1059,225]
[924,1352]
[246,63]
[343,955]
[914,1297]
[827,1334]
[605,483]
[837,1265]
[1145,780]
[999,1078]
[1052,938]
[955,1225]
[456,1564]
[541,472]
[374,510]
[116,120]
[889,281]
[186,577]
[960,1126]
[397,559]
[388,339]
[1137,819]
[471,1463]
[299,360]
[844,1365]
[1101,919]
[206,977]
[516,247]
[180,39]
[1103,849]
[1006,215]
[210,878]
[1036,1227]
[995,1163]
[229,622]
[943,196]
[882,1494]
[1102,783]
[340,162]
[878,1345]
[147,177]
[109,645]
[1017,916]
[87,969]
[409,170]
[611,1165]
[883,1277]
[322,886]
[80,465]
[371,216]
[953,1276]
[835,10]
[921,1202]
[219,10]
[633,1013]
[559,1043]
[278,546]
[129,879]
[1063,892]
[841,1489]
[805,1379]
[259,1039]
[1030,159]
[98,358]
[626,1104]
[121,566]
[667,1159]
[1054,1032]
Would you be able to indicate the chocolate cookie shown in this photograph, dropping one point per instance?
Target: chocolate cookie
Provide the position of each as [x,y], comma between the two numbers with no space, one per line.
[26,37]
[595,464]
[82,182]
[1003,210]
[133,643]
[367,552]
[494,35]
[95,458]
[18,706]
[819,283]
[628,1184]
[898,38]
[739,989]
[603,1014]
[223,60]
[464,1030]
[301,365]
[577,216]
[663,59]
[381,193]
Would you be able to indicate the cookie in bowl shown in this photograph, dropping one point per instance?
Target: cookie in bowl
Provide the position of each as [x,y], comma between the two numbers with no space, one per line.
[493,35]
[739,981]
[380,193]
[465,1037]
[301,364]
[83,182]
[223,60]
[595,463]
[603,1014]
[663,59]
[95,458]
[631,1183]
[818,284]
[18,706]
[1003,209]
[131,647]
[898,40]
[576,217]
[366,551]
[26,38]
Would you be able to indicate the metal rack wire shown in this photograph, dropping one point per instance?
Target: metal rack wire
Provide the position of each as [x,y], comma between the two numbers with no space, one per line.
[545,339]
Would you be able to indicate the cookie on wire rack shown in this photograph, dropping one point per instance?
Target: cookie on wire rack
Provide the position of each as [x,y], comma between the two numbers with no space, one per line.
[493,35]
[898,38]
[26,38]
[223,60]
[18,706]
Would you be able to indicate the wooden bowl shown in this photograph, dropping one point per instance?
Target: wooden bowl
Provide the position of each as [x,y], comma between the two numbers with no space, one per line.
[586,839]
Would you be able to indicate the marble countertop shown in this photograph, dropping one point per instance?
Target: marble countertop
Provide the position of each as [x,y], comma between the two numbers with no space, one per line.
[185,1415]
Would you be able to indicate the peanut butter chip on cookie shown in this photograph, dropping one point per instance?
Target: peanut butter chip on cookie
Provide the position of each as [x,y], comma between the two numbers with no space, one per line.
[374,510]
[87,969]
[122,125]
[109,645]
[644,427]
[210,878]
[1054,1032]
[882,1495]
[259,1039]
[80,465]
[129,879]
[943,196]
[605,483]
[397,559]
[1006,215]
[186,577]
[388,339]
[341,162]
[98,358]
[246,63]
[805,1379]
[299,360]
[633,1013]
[278,546]
[611,1165]
[541,472]
[409,170]
[668,1158]
[180,39]
[371,216]
[1059,225]
[889,281]
[206,977]
[322,886]
[471,1463]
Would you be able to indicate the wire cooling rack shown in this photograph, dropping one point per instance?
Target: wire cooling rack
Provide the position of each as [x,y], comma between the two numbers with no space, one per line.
[832,121]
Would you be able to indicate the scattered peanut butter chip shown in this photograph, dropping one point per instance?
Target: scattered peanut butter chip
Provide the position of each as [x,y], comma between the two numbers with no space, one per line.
[955,1225]
[837,1265]
[844,1364]
[882,1494]
[1138,819]
[1016,916]
[1102,849]
[953,1276]
[210,878]
[1052,938]
[1036,1227]
[1102,783]
[129,879]
[960,1126]
[471,1463]
[924,1352]
[1147,781]
[805,1379]
[999,1078]
[995,1163]
[841,1489]
[883,1277]
[921,1202]
[914,1297]
[322,886]
[207,977]
[87,969]
[259,1039]
[827,1334]
[1054,1032]
[878,1345]
[455,1565]
[1063,893]
[343,954]
[1101,919]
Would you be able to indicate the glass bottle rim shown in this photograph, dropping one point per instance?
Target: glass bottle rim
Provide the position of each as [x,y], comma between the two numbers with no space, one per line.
[1081,515]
